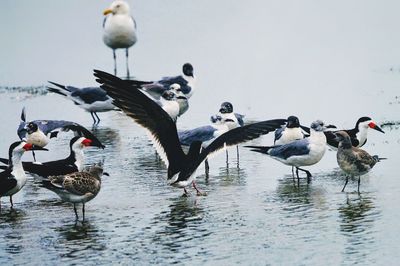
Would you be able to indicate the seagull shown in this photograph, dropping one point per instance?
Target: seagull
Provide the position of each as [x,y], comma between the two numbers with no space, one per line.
[156,88]
[205,134]
[181,98]
[301,152]
[78,187]
[39,132]
[169,104]
[352,160]
[226,112]
[163,131]
[292,131]
[91,99]
[119,30]
[13,178]
[358,134]
[73,163]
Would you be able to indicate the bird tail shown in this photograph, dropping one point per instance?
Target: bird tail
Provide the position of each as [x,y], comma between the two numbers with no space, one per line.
[62,90]
[260,149]
[377,158]
[4,161]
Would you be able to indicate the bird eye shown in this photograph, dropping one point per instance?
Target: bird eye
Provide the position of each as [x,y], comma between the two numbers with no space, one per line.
[117,6]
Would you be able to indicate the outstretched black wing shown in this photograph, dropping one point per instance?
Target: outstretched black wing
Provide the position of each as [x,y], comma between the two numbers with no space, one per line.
[149,115]
[241,134]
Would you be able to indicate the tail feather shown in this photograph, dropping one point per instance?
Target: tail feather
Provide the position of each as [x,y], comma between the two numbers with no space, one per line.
[4,160]
[260,149]
[55,90]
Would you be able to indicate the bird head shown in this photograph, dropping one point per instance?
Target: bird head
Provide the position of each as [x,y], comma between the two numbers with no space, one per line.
[367,122]
[292,122]
[318,126]
[168,95]
[117,7]
[187,70]
[31,127]
[226,108]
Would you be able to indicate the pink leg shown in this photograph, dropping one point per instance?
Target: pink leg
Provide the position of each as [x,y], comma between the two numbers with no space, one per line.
[199,193]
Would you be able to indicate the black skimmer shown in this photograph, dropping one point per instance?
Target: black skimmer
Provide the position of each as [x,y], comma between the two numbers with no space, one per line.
[73,163]
[119,30]
[91,99]
[303,152]
[358,134]
[39,132]
[13,178]
[156,88]
[352,160]
[162,129]
[78,187]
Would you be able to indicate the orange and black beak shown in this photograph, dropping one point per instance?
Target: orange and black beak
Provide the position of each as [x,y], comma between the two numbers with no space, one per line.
[375,126]
[87,142]
[31,147]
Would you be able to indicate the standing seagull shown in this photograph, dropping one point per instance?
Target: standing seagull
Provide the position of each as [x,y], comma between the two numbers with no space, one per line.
[73,163]
[91,99]
[13,178]
[119,30]
[78,187]
[353,161]
[162,129]
[156,88]
[301,152]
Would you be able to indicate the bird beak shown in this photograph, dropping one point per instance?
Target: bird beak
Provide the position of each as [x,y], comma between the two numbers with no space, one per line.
[331,126]
[86,142]
[105,173]
[31,147]
[376,127]
[181,97]
[107,11]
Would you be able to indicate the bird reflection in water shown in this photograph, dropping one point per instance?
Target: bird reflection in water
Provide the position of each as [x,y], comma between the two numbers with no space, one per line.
[357,218]
[182,223]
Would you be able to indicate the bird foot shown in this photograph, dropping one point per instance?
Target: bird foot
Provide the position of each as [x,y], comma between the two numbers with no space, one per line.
[201,193]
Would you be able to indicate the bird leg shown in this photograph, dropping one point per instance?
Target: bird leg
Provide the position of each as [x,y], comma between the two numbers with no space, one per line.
[94,119]
[83,212]
[358,188]
[199,193]
[207,166]
[293,173]
[34,155]
[307,172]
[237,155]
[127,64]
[115,62]
[185,193]
[76,213]
[12,204]
[98,119]
[347,180]
[227,158]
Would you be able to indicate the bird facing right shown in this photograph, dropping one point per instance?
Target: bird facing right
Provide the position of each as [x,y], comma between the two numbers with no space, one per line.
[353,161]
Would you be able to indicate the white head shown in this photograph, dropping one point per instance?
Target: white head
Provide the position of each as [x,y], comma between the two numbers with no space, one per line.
[118,7]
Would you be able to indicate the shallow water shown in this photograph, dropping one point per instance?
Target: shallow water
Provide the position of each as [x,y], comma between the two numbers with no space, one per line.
[271,60]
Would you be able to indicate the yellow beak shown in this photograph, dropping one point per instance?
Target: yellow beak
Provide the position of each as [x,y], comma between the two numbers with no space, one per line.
[107,11]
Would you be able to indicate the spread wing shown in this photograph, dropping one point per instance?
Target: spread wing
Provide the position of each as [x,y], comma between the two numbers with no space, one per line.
[80,183]
[241,134]
[149,115]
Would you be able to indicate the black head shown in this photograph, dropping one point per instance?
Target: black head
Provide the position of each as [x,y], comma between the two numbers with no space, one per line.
[187,69]
[168,95]
[363,119]
[226,108]
[292,122]
[31,127]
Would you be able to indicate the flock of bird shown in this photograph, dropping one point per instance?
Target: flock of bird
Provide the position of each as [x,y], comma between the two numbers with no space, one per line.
[156,106]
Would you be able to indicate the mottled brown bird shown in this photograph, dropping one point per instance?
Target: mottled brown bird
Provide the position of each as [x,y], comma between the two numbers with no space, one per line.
[78,187]
[353,161]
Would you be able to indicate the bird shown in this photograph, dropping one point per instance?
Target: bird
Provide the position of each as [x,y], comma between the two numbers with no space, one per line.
[73,163]
[358,134]
[205,134]
[292,131]
[91,99]
[39,132]
[13,178]
[156,88]
[169,104]
[303,152]
[352,160]
[77,187]
[181,167]
[226,112]
[119,30]
[181,98]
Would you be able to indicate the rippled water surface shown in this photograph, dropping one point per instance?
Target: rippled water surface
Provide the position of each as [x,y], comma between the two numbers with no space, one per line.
[271,60]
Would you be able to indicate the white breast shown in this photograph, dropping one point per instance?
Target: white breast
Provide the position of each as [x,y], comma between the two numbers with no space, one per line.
[38,138]
[119,31]
[289,135]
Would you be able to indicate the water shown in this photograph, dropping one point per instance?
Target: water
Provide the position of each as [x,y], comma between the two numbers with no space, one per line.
[284,61]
